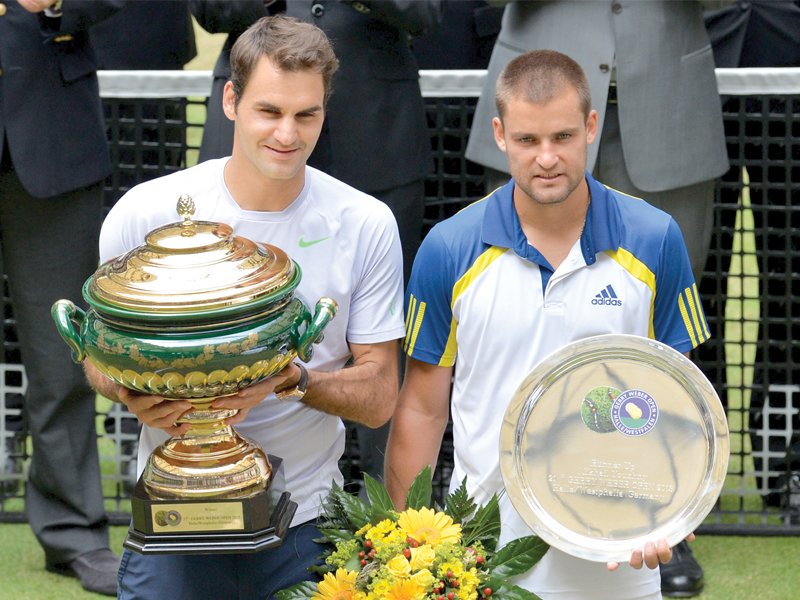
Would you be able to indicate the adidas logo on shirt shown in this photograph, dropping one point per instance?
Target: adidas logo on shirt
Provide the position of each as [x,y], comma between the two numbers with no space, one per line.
[607,297]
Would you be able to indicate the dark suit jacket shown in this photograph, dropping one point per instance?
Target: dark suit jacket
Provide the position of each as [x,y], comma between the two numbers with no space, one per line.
[375,135]
[50,110]
[463,40]
[232,17]
[763,33]
[146,34]
[376,129]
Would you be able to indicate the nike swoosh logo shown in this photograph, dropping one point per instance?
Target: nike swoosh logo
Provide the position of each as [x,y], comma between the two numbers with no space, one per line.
[306,244]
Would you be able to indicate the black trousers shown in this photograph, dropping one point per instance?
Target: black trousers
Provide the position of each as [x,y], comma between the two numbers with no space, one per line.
[49,248]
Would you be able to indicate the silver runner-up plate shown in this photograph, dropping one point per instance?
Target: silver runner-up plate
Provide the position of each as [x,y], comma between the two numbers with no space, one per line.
[613,441]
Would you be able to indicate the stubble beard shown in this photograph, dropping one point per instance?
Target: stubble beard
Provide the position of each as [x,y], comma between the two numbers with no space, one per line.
[541,200]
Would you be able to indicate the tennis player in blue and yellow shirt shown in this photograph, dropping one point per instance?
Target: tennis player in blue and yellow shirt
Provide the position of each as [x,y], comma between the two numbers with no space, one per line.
[552,257]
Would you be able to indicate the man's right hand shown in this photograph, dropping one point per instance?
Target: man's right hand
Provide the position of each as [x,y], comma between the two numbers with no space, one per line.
[153,411]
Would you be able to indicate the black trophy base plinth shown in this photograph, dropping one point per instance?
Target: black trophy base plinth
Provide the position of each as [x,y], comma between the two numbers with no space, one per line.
[211,525]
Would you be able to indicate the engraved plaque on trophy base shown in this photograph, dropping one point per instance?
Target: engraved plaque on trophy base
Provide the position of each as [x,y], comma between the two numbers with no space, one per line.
[613,441]
[211,525]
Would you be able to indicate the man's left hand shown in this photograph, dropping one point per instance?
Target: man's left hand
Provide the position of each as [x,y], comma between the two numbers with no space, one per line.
[652,555]
[253,395]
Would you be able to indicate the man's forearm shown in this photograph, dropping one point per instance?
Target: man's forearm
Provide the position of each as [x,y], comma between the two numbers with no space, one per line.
[100,383]
[414,443]
[365,393]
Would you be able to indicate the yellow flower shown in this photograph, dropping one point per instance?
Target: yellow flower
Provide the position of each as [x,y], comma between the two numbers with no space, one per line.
[341,586]
[386,538]
[429,527]
[379,589]
[399,566]
[424,578]
[456,568]
[468,585]
[405,589]
[381,530]
[422,557]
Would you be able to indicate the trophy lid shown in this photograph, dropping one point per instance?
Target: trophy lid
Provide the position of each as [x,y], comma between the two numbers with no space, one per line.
[191,270]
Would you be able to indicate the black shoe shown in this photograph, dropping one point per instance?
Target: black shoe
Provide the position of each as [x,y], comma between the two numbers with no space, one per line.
[682,577]
[96,570]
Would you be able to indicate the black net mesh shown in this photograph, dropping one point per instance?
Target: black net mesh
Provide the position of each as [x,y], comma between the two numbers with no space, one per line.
[750,293]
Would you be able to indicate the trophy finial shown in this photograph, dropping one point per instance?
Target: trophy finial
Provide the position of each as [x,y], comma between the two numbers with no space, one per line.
[185,206]
[185,209]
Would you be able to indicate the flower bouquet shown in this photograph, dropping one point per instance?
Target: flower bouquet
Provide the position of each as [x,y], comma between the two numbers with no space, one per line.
[421,553]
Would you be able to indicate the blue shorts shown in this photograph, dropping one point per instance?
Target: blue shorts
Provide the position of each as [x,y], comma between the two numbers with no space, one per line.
[217,576]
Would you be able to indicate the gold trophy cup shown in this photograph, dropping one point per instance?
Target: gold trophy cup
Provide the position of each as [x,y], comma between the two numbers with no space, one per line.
[193,314]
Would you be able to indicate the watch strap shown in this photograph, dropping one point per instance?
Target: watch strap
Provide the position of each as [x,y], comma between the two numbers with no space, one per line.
[299,390]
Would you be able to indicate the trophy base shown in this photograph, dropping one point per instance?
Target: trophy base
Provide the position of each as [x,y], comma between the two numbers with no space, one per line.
[211,525]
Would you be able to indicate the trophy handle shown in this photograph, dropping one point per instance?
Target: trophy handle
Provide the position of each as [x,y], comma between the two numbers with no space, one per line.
[69,319]
[325,310]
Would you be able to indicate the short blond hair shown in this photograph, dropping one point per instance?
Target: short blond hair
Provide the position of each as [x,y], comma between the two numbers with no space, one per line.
[538,76]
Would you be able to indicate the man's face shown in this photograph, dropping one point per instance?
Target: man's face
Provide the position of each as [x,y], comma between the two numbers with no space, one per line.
[546,145]
[278,119]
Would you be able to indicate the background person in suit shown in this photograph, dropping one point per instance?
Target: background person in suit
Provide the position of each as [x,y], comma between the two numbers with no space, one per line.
[54,158]
[147,35]
[651,71]
[464,38]
[763,34]
[232,17]
[144,35]
[651,74]
[375,136]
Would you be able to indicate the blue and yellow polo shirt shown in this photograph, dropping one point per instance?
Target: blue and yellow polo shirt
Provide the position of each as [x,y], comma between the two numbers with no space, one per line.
[483,299]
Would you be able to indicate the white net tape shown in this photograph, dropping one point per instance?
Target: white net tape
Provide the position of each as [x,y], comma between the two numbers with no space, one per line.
[434,84]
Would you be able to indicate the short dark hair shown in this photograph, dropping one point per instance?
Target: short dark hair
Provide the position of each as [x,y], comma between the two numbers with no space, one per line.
[538,76]
[290,44]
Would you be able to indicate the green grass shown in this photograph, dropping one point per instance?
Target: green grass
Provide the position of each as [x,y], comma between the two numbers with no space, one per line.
[22,568]
[736,567]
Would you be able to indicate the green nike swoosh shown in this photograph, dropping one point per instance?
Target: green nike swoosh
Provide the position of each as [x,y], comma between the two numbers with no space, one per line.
[304,244]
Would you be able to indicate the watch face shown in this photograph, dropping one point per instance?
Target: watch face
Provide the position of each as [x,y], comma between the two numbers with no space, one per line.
[613,441]
[291,395]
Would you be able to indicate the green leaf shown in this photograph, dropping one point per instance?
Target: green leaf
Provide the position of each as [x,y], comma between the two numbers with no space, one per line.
[518,556]
[333,536]
[420,492]
[458,504]
[353,563]
[356,509]
[379,499]
[508,591]
[333,514]
[484,526]
[301,591]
